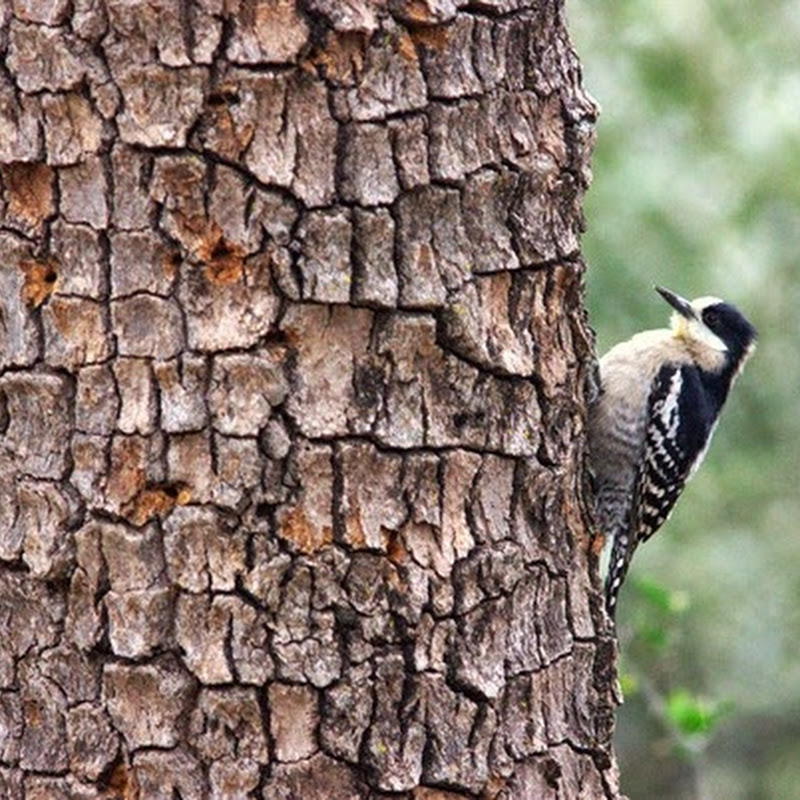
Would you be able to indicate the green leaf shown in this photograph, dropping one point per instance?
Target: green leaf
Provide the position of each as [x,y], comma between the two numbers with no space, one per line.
[693,715]
[629,684]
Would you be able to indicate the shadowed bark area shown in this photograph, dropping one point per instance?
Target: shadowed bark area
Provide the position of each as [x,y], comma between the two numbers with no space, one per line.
[293,359]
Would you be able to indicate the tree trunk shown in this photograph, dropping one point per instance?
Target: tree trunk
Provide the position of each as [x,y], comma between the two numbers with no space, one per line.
[291,408]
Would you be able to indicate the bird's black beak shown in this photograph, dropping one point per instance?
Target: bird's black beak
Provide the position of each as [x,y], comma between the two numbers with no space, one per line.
[683,307]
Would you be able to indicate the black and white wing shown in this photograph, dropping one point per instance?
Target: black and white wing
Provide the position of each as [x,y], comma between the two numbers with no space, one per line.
[679,428]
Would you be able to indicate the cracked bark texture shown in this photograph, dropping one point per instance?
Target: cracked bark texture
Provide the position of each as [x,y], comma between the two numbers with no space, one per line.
[292,388]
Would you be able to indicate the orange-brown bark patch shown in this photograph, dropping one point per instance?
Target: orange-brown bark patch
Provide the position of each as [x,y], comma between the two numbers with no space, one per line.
[122,784]
[356,537]
[156,501]
[434,37]
[395,548]
[29,191]
[223,260]
[296,528]
[406,47]
[127,476]
[341,57]
[494,787]
[598,543]
[171,263]
[425,259]
[70,320]
[289,338]
[40,280]
[32,712]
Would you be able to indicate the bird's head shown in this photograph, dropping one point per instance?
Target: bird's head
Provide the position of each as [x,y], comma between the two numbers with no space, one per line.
[711,325]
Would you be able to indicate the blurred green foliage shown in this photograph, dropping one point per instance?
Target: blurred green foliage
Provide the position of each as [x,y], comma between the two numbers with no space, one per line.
[693,716]
[697,188]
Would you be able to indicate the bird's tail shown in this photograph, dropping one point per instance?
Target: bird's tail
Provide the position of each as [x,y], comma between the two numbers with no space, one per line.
[621,553]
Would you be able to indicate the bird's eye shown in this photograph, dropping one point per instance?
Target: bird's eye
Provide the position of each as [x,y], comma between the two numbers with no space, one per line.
[712,317]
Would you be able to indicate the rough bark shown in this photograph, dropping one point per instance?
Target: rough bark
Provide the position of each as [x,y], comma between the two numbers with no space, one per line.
[293,367]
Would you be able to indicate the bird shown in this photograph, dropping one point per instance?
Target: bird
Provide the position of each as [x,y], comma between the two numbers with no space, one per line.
[660,397]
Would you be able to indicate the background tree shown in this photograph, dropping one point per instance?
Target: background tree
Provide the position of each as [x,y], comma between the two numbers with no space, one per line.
[294,370]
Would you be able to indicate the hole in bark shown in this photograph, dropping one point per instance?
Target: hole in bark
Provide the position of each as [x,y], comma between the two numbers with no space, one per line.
[464,418]
[346,617]
[368,383]
[223,97]
[221,249]
[551,771]
[116,779]
[261,510]
[276,337]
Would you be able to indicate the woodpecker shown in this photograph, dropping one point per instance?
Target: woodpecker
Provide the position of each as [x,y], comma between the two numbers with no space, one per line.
[661,394]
